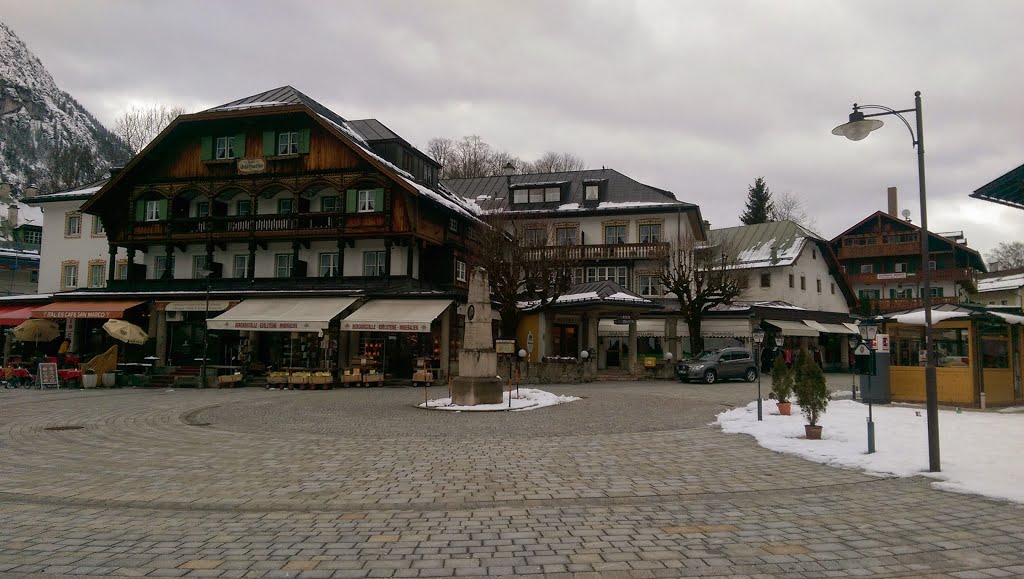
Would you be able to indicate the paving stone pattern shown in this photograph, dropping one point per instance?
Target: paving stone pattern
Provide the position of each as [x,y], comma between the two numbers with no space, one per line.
[631,481]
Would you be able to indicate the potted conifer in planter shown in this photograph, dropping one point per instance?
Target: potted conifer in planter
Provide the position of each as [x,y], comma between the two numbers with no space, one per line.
[811,394]
[782,385]
[89,378]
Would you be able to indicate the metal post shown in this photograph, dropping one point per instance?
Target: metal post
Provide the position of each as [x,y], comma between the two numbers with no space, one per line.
[871,423]
[853,376]
[206,332]
[930,386]
[759,382]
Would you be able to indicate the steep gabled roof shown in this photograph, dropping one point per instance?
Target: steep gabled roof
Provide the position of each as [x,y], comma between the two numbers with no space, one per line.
[621,192]
[1007,189]
[373,130]
[753,243]
[82,192]
[292,100]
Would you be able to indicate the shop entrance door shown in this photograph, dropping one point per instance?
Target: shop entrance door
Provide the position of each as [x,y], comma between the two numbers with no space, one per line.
[613,358]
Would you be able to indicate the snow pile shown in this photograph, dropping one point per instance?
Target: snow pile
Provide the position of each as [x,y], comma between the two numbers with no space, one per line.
[980,450]
[916,317]
[526,399]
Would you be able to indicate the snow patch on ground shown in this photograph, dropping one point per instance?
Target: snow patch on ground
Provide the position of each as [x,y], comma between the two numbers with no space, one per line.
[980,450]
[526,399]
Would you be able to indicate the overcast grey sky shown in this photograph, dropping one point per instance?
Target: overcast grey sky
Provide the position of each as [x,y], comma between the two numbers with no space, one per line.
[695,97]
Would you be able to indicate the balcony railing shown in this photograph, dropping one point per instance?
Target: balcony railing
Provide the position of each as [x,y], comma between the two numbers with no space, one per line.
[240,225]
[619,251]
[879,250]
[273,283]
[960,274]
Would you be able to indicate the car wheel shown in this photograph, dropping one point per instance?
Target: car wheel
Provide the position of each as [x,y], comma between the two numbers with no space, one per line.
[751,375]
[710,377]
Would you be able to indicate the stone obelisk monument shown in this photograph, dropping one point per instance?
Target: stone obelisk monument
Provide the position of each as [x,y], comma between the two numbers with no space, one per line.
[477,382]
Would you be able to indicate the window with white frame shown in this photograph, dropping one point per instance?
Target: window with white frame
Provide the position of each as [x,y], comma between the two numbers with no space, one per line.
[535,237]
[97,226]
[329,264]
[283,265]
[73,225]
[161,265]
[614,234]
[329,204]
[33,237]
[650,285]
[285,205]
[240,266]
[367,201]
[199,267]
[96,274]
[288,143]
[373,263]
[243,207]
[867,268]
[591,192]
[225,148]
[616,274]
[153,210]
[901,293]
[552,194]
[69,275]
[566,235]
[900,267]
[460,270]
[121,270]
[536,195]
[650,232]
[931,265]
[520,196]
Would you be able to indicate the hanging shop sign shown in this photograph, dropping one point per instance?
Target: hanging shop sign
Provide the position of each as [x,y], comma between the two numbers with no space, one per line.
[252,165]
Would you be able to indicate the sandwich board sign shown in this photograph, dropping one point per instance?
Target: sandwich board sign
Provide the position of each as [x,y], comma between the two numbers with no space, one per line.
[48,375]
[862,350]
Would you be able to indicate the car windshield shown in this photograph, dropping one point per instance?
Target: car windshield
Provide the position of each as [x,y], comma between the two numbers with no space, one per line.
[708,355]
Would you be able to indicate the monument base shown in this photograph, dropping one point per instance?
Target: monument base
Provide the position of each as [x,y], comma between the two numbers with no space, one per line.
[470,391]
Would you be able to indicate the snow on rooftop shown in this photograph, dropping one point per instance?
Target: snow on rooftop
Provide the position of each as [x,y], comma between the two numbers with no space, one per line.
[251,105]
[623,297]
[629,204]
[760,254]
[1001,283]
[74,193]
[916,318]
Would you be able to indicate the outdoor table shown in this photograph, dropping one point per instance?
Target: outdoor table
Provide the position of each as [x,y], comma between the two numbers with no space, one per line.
[71,360]
[22,373]
[66,375]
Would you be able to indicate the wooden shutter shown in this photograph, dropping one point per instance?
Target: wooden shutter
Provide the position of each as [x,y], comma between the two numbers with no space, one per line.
[378,200]
[303,140]
[140,210]
[269,143]
[206,148]
[163,209]
[351,201]
[240,145]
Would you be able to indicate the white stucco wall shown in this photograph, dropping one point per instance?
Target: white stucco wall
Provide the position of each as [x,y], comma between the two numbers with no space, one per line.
[809,265]
[57,248]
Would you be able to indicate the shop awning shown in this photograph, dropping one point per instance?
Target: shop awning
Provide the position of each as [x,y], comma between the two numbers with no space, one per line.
[720,328]
[84,309]
[15,315]
[825,328]
[281,314]
[395,316]
[799,329]
[644,328]
[198,306]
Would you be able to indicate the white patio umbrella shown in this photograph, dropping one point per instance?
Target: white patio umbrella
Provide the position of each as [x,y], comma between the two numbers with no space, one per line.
[127,332]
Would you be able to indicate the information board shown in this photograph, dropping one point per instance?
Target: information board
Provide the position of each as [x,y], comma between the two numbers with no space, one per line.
[48,375]
[505,346]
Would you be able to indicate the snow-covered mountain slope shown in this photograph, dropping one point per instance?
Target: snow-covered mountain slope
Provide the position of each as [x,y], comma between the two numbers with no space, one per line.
[47,139]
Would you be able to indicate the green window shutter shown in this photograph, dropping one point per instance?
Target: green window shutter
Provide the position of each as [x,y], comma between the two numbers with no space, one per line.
[163,209]
[378,201]
[206,150]
[303,140]
[351,201]
[239,145]
[269,143]
[140,210]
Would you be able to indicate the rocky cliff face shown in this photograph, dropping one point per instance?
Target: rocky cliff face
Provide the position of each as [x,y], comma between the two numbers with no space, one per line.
[47,139]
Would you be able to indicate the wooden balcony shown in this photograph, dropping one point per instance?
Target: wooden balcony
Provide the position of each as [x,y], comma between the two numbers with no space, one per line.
[296,283]
[899,304]
[879,250]
[264,226]
[958,274]
[619,251]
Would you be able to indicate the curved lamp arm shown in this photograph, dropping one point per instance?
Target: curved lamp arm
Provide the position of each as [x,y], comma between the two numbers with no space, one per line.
[889,111]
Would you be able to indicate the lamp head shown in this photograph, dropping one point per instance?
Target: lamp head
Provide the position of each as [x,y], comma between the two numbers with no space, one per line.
[779,340]
[668,355]
[858,127]
[868,331]
[758,335]
[522,353]
[584,354]
[509,169]
[853,342]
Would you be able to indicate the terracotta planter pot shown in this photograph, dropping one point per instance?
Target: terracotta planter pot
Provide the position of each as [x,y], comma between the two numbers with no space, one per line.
[812,432]
[784,408]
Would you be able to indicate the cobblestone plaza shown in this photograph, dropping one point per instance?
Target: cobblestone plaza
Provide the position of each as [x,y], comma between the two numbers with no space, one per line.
[630,481]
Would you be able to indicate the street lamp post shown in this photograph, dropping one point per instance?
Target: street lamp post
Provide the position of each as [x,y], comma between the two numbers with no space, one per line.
[868,333]
[853,368]
[758,335]
[206,273]
[860,126]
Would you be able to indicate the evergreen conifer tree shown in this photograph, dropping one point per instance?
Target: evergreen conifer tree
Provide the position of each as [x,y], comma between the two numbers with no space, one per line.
[759,203]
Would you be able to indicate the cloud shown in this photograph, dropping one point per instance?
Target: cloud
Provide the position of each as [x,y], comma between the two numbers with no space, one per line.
[698,98]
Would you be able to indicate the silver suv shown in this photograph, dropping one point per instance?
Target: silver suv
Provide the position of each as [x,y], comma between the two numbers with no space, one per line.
[714,365]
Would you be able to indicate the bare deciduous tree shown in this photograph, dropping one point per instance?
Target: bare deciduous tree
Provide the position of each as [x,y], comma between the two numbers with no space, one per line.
[552,162]
[442,149]
[789,206]
[1008,254]
[139,125]
[471,156]
[702,275]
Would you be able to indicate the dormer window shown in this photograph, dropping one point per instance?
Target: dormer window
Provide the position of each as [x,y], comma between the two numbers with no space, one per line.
[225,148]
[537,194]
[591,192]
[288,143]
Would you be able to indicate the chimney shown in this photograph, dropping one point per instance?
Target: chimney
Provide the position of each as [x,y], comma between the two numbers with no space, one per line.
[893,205]
[30,191]
[707,225]
[775,255]
[12,214]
